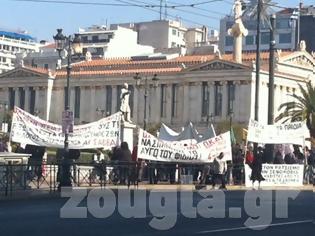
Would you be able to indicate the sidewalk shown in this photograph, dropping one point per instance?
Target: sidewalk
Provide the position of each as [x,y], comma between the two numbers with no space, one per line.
[42,193]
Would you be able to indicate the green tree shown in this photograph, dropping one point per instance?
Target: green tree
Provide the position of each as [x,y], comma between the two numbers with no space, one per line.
[302,108]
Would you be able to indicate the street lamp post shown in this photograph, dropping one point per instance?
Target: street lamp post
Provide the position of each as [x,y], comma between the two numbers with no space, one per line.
[71,47]
[138,79]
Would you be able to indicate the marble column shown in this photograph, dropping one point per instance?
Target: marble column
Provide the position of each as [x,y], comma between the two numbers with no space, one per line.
[16,97]
[114,99]
[92,104]
[225,98]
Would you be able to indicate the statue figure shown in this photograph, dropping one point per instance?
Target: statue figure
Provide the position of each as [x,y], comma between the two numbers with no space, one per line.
[302,45]
[238,30]
[88,56]
[124,103]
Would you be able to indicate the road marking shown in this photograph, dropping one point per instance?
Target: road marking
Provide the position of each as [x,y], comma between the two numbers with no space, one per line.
[255,227]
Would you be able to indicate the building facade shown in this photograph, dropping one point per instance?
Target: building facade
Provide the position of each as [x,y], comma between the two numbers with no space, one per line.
[285,33]
[198,89]
[116,42]
[11,43]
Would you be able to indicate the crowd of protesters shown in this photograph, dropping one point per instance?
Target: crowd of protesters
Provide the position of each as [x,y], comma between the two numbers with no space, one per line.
[127,167]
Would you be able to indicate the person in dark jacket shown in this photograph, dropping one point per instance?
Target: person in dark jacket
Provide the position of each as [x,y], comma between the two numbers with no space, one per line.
[311,163]
[278,158]
[299,157]
[124,156]
[257,167]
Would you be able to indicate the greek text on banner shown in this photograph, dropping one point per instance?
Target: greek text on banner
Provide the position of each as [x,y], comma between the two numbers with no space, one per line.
[292,133]
[154,149]
[28,129]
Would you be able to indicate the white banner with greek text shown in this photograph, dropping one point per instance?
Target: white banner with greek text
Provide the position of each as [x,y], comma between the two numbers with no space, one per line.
[278,175]
[291,133]
[29,129]
[154,149]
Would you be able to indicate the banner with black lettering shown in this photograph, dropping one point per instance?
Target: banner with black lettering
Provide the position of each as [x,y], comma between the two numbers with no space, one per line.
[154,149]
[278,175]
[29,129]
[291,133]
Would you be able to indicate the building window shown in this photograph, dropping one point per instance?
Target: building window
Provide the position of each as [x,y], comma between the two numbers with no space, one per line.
[265,38]
[231,96]
[22,97]
[84,39]
[283,23]
[95,39]
[11,98]
[174,100]
[205,99]
[163,100]
[46,66]
[118,102]
[108,99]
[174,31]
[249,40]
[32,100]
[173,45]
[77,97]
[99,51]
[218,99]
[229,41]
[285,38]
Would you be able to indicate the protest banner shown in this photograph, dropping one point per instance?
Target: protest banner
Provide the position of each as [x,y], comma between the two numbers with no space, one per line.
[28,129]
[291,133]
[154,149]
[278,175]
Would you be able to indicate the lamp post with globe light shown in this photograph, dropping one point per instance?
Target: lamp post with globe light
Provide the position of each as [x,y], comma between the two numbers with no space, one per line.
[70,46]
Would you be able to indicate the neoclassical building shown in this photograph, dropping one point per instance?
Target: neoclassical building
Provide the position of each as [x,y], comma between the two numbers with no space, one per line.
[190,88]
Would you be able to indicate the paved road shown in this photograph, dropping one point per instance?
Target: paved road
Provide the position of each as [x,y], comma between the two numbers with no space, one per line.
[42,216]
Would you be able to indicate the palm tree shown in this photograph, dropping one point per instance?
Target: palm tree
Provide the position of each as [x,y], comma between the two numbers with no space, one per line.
[302,108]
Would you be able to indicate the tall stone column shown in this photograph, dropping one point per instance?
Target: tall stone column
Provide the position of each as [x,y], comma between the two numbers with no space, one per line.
[92,110]
[211,98]
[238,30]
[16,97]
[186,102]
[237,104]
[225,98]
[27,99]
[114,99]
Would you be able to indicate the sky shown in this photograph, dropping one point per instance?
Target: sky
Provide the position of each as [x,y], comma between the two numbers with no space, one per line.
[41,19]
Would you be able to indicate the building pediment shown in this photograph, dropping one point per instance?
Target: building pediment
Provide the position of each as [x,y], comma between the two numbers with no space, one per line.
[299,58]
[22,72]
[218,64]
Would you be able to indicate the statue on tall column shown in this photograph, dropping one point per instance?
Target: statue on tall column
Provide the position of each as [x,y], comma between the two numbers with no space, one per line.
[124,103]
[238,30]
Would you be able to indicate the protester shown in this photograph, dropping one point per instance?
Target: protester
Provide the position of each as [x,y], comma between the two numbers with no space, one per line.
[278,158]
[299,157]
[289,157]
[311,164]
[124,161]
[219,170]
[3,145]
[256,167]
[249,158]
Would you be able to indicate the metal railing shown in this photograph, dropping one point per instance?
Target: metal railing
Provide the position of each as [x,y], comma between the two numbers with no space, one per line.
[16,178]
